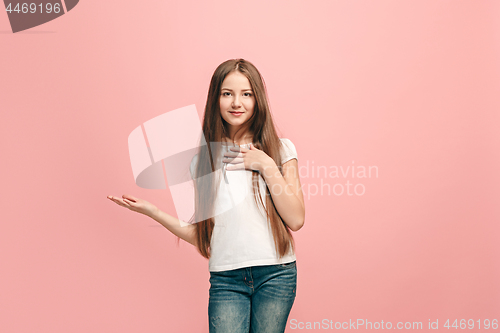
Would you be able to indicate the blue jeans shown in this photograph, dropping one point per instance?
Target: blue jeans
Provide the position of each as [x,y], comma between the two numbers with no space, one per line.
[253,299]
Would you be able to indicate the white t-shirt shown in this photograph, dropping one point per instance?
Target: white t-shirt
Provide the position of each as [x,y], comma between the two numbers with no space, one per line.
[242,236]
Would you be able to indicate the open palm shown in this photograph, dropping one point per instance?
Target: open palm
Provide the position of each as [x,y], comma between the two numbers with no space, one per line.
[135,204]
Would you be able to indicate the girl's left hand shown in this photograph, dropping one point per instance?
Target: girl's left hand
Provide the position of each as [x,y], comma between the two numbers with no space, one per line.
[240,158]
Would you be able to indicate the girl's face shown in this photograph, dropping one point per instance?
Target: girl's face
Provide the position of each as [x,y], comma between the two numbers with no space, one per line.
[237,101]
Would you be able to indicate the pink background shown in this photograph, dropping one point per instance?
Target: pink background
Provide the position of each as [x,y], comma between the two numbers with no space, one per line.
[411,87]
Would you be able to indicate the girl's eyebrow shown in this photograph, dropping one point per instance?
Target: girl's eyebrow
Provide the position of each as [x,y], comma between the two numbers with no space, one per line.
[232,90]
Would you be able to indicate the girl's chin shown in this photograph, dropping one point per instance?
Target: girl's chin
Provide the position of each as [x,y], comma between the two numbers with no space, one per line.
[236,122]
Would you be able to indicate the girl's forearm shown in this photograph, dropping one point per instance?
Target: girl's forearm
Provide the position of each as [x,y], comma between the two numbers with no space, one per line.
[173,224]
[287,203]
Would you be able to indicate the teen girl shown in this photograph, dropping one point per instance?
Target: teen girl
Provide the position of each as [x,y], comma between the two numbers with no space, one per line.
[251,252]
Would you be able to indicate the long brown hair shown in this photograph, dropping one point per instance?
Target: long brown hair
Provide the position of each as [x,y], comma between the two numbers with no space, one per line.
[264,138]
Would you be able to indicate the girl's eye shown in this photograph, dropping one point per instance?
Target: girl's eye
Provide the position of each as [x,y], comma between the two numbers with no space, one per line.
[226,93]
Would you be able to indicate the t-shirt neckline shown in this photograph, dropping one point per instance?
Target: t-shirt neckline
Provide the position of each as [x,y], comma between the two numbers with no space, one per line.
[232,144]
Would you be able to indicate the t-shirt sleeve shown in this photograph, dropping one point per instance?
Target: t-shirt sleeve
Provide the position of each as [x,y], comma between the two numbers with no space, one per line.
[288,152]
[192,166]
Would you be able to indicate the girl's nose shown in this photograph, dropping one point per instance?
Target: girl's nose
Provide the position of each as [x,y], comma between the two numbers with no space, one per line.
[236,102]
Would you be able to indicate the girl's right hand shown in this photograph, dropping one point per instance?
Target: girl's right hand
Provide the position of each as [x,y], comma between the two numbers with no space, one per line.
[135,204]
